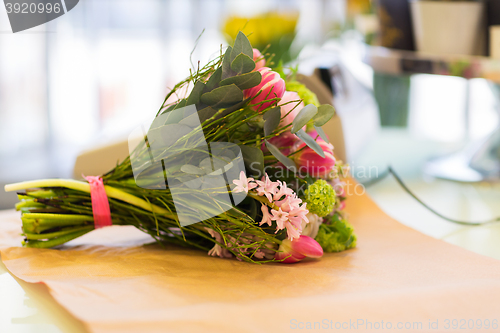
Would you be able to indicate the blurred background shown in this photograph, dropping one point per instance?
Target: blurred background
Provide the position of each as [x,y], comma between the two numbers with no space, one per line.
[409,92]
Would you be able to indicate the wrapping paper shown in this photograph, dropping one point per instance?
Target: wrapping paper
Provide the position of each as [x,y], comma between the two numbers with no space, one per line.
[395,276]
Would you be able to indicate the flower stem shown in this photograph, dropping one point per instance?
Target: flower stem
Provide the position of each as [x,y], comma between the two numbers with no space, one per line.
[85,187]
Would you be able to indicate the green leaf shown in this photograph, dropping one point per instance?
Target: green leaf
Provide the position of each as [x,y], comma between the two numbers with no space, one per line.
[253,159]
[224,96]
[325,113]
[167,135]
[272,118]
[241,45]
[307,113]
[287,162]
[206,113]
[192,120]
[235,107]
[206,165]
[213,81]
[226,64]
[194,97]
[192,170]
[170,108]
[244,81]
[242,64]
[171,117]
[181,104]
[310,142]
[321,133]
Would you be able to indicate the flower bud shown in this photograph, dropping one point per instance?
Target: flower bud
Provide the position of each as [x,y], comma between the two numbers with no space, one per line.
[294,251]
[271,86]
[309,161]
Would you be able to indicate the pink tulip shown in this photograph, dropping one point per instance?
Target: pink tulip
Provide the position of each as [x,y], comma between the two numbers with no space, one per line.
[271,86]
[294,251]
[309,161]
[256,56]
[285,142]
[289,111]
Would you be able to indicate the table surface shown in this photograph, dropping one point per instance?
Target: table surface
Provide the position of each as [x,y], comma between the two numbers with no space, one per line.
[26,307]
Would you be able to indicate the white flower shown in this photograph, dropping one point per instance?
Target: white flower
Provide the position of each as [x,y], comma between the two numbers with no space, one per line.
[311,229]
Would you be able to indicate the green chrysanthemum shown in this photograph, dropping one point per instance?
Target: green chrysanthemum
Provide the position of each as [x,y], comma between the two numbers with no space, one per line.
[320,198]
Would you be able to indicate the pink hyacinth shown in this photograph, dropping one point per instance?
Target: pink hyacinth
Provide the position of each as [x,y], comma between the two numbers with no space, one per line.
[243,184]
[272,86]
[259,59]
[309,161]
[292,251]
[282,204]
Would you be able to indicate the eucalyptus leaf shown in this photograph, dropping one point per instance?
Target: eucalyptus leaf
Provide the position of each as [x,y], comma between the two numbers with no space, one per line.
[242,64]
[241,45]
[171,117]
[224,96]
[206,113]
[170,108]
[307,113]
[191,121]
[321,133]
[213,81]
[235,107]
[166,135]
[181,104]
[213,183]
[310,142]
[244,81]
[226,64]
[218,162]
[193,183]
[287,162]
[272,118]
[325,113]
[194,96]
[192,169]
[253,159]
[206,165]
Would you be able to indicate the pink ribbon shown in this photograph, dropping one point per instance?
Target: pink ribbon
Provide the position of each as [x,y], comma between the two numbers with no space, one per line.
[100,203]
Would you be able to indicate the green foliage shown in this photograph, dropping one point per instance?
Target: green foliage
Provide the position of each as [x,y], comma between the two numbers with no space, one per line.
[194,97]
[223,96]
[321,133]
[272,118]
[253,159]
[241,46]
[244,81]
[310,142]
[242,64]
[336,236]
[325,113]
[303,117]
[320,198]
[287,162]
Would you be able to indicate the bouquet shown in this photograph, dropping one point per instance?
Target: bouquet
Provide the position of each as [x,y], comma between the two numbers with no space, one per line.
[237,166]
